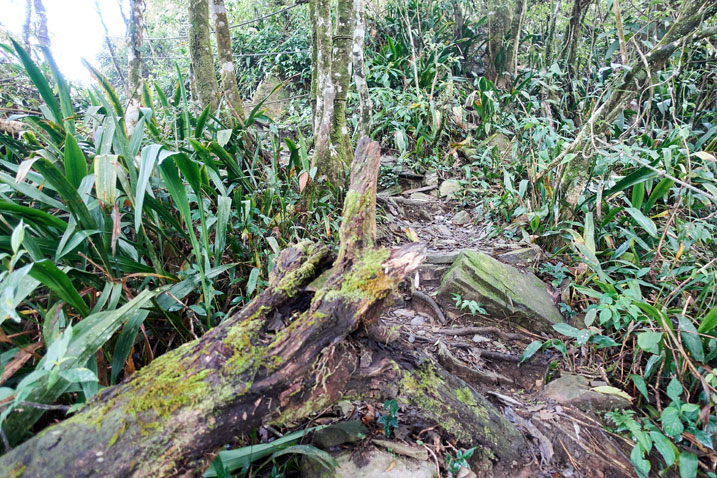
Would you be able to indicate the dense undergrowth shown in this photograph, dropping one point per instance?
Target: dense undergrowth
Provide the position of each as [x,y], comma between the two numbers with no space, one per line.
[117,246]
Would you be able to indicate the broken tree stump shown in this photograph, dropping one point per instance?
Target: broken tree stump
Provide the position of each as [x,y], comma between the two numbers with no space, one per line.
[171,417]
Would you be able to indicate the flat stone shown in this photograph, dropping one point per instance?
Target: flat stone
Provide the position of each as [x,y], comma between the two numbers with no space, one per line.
[460,218]
[442,257]
[404,312]
[340,433]
[502,289]
[431,178]
[449,188]
[422,197]
[381,464]
[525,256]
[575,390]
[418,320]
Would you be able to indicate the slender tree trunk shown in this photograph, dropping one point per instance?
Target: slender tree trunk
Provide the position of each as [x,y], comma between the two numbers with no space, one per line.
[26,26]
[499,21]
[359,34]
[226,59]
[200,52]
[551,34]
[323,160]
[516,26]
[134,60]
[620,32]
[111,47]
[42,35]
[341,71]
[572,33]
[637,76]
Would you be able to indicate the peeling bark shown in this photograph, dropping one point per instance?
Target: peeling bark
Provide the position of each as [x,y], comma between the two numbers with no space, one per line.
[200,52]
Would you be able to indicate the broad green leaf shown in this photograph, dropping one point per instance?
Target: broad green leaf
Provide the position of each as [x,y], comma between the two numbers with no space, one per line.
[662,188]
[664,446]
[235,459]
[674,389]
[608,390]
[709,322]
[530,350]
[63,90]
[648,340]
[691,339]
[642,466]
[106,178]
[640,385]
[671,422]
[77,375]
[639,175]
[251,283]
[688,465]
[107,86]
[75,162]
[638,195]
[146,166]
[57,281]
[313,453]
[643,221]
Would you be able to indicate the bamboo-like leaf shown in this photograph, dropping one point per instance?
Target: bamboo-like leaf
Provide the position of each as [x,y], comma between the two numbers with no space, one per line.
[709,322]
[64,92]
[107,87]
[75,162]
[43,87]
[32,192]
[658,191]
[33,215]
[146,165]
[224,204]
[106,178]
[643,221]
[58,282]
[201,122]
[125,341]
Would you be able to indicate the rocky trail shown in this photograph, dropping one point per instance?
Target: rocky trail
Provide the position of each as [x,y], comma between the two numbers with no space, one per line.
[474,306]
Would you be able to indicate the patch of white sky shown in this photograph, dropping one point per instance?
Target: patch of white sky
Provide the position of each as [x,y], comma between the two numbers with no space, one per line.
[74,28]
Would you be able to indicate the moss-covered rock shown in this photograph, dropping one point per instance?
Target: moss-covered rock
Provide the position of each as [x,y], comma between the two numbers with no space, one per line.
[502,290]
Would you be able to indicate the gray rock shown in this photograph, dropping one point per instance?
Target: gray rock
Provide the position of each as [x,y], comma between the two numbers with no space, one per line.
[376,467]
[274,107]
[422,197]
[404,312]
[443,230]
[575,390]
[442,257]
[461,218]
[525,256]
[449,188]
[502,289]
[418,320]
[431,178]
[340,433]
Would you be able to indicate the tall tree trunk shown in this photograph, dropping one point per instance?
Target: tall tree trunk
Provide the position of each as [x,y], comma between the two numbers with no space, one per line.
[572,33]
[42,35]
[200,52]
[26,26]
[134,60]
[324,159]
[359,34]
[637,77]
[516,26]
[226,59]
[341,71]
[551,33]
[620,32]
[111,47]
[499,22]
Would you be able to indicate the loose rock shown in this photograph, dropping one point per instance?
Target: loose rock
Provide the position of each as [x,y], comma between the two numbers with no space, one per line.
[575,390]
[461,218]
[449,188]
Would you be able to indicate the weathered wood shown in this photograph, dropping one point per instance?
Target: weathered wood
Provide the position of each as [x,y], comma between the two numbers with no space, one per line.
[168,419]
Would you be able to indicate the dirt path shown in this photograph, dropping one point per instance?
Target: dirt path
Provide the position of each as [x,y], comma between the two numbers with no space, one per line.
[568,440]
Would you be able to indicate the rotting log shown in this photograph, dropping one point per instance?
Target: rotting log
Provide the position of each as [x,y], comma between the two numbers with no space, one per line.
[170,417]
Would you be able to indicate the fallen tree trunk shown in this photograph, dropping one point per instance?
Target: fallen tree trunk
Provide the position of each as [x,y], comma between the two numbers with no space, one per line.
[171,417]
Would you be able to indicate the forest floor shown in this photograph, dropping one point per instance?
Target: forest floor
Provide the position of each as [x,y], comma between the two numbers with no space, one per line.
[564,426]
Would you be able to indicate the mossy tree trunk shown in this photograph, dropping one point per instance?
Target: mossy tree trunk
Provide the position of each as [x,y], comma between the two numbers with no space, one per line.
[499,22]
[169,419]
[359,34]
[551,34]
[330,83]
[134,61]
[636,77]
[227,76]
[516,26]
[200,52]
